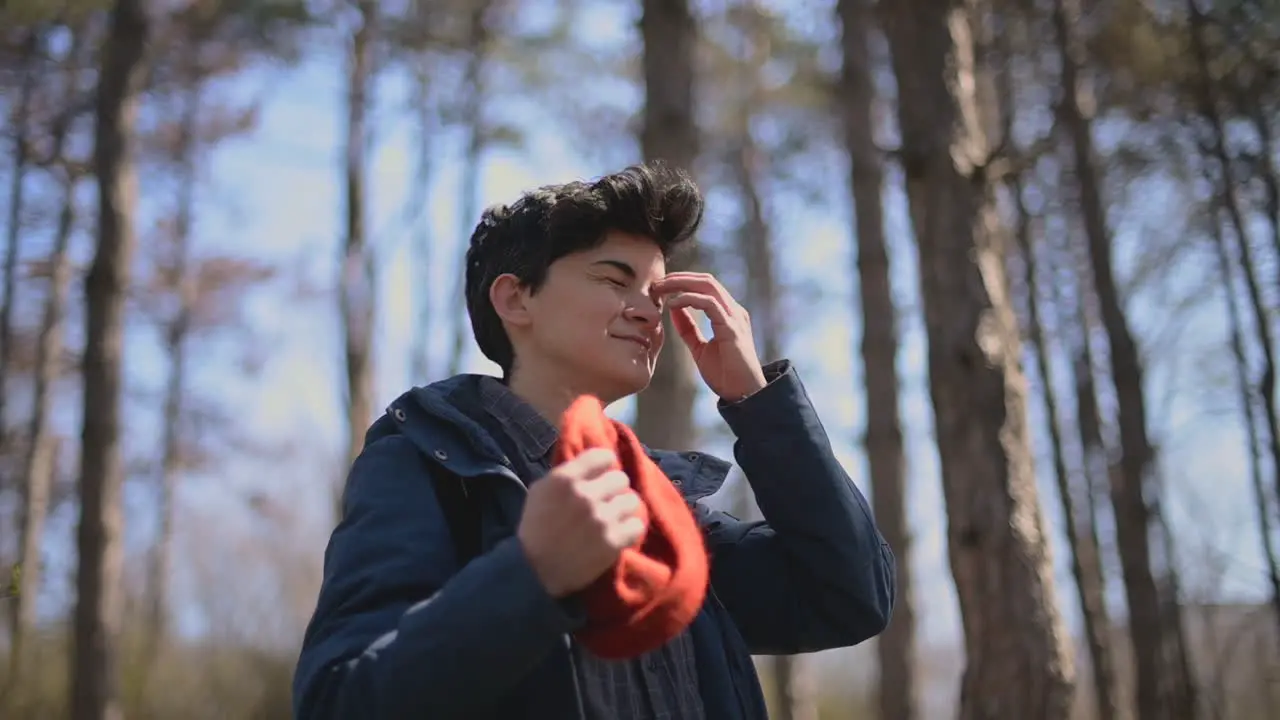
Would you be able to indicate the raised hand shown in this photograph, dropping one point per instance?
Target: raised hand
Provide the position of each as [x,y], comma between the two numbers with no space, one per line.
[727,361]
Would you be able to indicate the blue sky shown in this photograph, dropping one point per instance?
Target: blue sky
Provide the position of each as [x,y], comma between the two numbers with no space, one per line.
[276,195]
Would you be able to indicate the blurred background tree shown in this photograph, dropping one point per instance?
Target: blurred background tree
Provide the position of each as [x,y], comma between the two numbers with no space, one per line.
[1024,253]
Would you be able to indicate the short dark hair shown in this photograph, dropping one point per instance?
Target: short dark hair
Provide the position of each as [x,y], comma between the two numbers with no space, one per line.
[545,224]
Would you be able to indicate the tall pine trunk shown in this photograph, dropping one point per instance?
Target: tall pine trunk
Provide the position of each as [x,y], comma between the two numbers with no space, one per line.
[794,693]
[1249,398]
[27,62]
[1019,658]
[884,443]
[477,138]
[357,281]
[176,333]
[1094,460]
[1161,691]
[1228,183]
[40,463]
[669,32]
[100,533]
[1086,560]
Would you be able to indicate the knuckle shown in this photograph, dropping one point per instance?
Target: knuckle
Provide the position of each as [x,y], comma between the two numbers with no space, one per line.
[561,474]
[600,454]
[601,526]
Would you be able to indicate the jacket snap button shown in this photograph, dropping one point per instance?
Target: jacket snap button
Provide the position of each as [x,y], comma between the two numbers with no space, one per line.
[693,457]
[399,414]
[441,455]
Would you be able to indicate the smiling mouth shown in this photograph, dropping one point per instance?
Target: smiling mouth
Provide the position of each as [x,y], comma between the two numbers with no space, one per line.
[638,341]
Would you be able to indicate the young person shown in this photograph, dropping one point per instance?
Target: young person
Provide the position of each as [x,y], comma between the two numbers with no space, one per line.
[566,289]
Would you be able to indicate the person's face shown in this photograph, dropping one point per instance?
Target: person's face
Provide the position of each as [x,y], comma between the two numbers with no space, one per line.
[594,324]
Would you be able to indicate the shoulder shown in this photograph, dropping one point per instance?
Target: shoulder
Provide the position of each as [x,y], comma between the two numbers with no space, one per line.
[388,470]
[697,474]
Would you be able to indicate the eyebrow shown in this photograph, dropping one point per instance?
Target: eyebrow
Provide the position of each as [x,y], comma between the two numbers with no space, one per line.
[620,266]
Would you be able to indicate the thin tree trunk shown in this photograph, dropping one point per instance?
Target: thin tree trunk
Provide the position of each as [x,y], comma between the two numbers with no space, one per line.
[794,690]
[1086,561]
[669,132]
[1267,169]
[17,184]
[1247,97]
[754,235]
[473,118]
[1249,395]
[884,443]
[1094,461]
[1019,659]
[756,245]
[1244,242]
[419,354]
[1161,693]
[179,327]
[39,463]
[100,534]
[357,281]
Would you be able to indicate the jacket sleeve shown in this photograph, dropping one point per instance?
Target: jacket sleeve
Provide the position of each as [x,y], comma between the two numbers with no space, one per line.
[396,632]
[816,573]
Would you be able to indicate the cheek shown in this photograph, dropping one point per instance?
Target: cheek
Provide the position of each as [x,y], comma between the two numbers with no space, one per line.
[590,316]
[600,307]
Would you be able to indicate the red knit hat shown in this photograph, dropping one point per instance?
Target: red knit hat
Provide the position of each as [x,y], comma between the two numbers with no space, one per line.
[658,585]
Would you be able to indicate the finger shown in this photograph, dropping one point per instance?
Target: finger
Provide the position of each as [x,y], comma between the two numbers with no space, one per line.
[589,464]
[606,487]
[716,312]
[621,506]
[626,533]
[687,328]
[695,282]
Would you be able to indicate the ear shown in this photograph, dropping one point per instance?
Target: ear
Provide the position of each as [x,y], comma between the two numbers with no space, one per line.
[509,298]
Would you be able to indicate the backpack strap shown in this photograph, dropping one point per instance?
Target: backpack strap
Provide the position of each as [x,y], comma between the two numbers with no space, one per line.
[461,512]
[461,507]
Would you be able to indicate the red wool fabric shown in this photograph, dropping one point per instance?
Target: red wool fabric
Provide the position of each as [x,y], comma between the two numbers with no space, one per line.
[658,585]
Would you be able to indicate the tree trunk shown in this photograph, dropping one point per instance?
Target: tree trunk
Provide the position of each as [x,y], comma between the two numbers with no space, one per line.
[1160,691]
[357,280]
[1019,658]
[1267,173]
[100,534]
[179,327]
[1086,560]
[1094,461]
[664,411]
[473,119]
[1249,98]
[17,184]
[1094,458]
[884,443]
[428,130]
[794,691]
[1228,184]
[1249,398]
[42,444]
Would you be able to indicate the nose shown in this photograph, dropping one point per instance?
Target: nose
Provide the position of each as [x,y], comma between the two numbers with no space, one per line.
[645,312]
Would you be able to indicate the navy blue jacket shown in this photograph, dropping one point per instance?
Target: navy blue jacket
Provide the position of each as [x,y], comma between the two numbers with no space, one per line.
[400,632]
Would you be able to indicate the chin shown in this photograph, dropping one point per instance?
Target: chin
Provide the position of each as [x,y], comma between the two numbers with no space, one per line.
[618,385]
